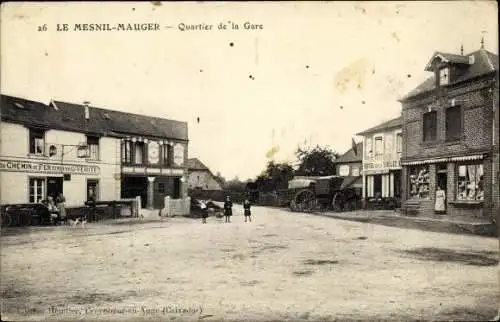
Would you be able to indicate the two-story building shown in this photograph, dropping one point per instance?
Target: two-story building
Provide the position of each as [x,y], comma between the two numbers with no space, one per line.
[349,166]
[450,131]
[200,176]
[382,148]
[81,150]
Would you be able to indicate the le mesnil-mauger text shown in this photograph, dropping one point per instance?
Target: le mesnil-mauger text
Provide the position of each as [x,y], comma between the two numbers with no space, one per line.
[108,27]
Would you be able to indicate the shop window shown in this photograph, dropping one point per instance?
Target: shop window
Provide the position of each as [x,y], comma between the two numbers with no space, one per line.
[470,182]
[93,146]
[126,152]
[37,141]
[93,189]
[430,126]
[419,182]
[399,142]
[453,123]
[36,189]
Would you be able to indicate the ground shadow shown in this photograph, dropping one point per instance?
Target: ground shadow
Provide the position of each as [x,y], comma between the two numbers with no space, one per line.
[479,258]
[318,262]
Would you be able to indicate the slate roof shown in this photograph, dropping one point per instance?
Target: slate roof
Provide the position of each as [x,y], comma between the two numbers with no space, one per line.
[71,117]
[195,164]
[350,157]
[397,122]
[485,62]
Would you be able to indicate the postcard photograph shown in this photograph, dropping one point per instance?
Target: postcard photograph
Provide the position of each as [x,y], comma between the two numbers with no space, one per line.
[249,161]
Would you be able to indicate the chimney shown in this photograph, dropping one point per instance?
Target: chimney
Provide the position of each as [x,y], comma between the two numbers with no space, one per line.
[87,112]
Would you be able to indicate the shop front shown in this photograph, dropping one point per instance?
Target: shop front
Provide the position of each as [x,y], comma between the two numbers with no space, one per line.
[382,184]
[455,186]
[30,181]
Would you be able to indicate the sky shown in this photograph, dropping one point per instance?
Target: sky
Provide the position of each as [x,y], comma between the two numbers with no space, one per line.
[315,73]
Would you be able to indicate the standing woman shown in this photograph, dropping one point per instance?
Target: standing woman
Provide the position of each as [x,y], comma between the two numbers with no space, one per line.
[246,207]
[61,206]
[204,212]
[439,206]
[228,209]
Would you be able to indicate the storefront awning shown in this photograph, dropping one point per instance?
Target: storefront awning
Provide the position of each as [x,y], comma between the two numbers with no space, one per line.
[352,182]
[438,160]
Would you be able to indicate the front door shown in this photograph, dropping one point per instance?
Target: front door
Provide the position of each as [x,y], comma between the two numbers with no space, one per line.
[177,188]
[54,186]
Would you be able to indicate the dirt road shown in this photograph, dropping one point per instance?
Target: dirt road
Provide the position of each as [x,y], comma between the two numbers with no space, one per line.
[282,266]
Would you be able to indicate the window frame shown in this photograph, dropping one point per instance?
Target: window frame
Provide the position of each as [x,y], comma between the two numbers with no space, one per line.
[381,139]
[139,146]
[44,189]
[92,144]
[457,136]
[418,179]
[369,147]
[36,134]
[126,152]
[477,180]
[97,195]
[399,143]
[444,71]
[433,135]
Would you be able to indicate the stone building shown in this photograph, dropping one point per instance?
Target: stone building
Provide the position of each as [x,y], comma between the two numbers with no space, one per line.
[450,134]
[200,176]
[80,150]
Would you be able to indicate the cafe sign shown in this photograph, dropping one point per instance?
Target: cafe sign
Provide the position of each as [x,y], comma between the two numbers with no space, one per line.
[382,164]
[48,168]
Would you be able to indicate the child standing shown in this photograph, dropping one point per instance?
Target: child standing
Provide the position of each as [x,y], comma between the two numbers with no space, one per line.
[228,209]
[246,207]
[204,212]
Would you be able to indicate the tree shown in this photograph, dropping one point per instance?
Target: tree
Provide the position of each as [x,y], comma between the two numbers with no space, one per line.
[317,161]
[275,176]
[220,179]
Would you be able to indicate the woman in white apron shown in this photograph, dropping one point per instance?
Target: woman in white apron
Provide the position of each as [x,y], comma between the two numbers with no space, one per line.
[440,206]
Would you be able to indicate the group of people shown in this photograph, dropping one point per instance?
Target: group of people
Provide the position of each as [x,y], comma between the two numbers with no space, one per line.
[57,207]
[228,210]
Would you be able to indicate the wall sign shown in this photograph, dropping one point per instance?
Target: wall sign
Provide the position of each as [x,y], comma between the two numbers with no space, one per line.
[344,170]
[179,154]
[42,167]
[355,172]
[153,152]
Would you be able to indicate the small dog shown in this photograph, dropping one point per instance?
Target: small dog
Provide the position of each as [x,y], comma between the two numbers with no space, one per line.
[79,220]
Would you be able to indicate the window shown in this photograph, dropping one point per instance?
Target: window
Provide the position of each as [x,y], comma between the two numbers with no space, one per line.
[369,149]
[126,152]
[379,147]
[399,142]
[166,154]
[453,123]
[139,153]
[444,76]
[36,189]
[470,182]
[37,139]
[93,146]
[93,189]
[430,126]
[419,182]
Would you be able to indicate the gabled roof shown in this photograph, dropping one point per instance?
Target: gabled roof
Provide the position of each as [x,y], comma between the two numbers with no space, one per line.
[447,58]
[484,63]
[397,122]
[350,157]
[195,164]
[71,117]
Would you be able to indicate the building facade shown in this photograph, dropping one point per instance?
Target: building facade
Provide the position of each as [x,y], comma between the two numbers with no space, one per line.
[382,150]
[450,131]
[200,176]
[80,150]
[350,167]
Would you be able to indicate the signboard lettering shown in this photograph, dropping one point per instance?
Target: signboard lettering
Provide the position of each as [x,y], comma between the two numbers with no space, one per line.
[41,167]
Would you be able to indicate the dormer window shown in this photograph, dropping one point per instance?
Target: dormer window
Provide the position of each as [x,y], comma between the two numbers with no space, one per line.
[444,76]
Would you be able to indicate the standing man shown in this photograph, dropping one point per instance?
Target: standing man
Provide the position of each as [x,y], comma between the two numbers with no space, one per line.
[228,209]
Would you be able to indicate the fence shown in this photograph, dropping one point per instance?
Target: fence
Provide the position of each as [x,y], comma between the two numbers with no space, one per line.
[176,207]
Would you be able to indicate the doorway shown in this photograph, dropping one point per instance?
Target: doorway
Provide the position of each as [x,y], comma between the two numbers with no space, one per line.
[133,186]
[177,188]
[54,186]
[442,182]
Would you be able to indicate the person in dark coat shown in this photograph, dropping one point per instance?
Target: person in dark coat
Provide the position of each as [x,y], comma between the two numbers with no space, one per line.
[246,207]
[228,209]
